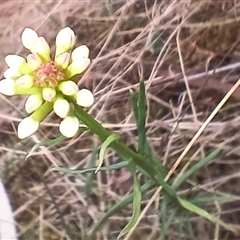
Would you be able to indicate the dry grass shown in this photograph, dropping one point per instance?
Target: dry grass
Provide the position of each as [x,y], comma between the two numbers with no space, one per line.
[173,45]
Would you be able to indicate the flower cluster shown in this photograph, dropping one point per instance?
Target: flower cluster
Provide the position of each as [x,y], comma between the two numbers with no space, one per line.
[48,81]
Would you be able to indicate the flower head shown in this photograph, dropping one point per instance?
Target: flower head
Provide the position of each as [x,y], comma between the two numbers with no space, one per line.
[48,81]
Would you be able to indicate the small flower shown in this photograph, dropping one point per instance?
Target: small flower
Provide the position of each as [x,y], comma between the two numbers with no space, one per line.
[48,82]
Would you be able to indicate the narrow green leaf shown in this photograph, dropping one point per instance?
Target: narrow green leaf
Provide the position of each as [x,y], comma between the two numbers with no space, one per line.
[51,142]
[199,211]
[88,170]
[134,98]
[141,121]
[137,198]
[113,137]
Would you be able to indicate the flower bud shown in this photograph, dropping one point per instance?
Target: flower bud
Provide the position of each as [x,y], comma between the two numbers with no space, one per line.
[33,102]
[29,37]
[25,81]
[68,88]
[63,60]
[7,87]
[69,126]
[27,127]
[65,41]
[61,107]
[84,98]
[34,61]
[42,48]
[48,94]
[12,74]
[17,63]
[80,52]
[77,67]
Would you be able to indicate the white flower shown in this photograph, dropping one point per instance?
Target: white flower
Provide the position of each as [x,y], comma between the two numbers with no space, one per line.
[33,102]
[69,126]
[61,107]
[48,82]
[27,127]
[84,98]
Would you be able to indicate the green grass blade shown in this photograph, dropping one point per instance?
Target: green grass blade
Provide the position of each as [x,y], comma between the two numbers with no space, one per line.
[141,121]
[117,207]
[196,167]
[137,198]
[134,98]
[113,137]
[199,211]
[88,170]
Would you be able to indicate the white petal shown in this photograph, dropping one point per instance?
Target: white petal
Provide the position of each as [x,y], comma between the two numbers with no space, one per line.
[68,88]
[80,52]
[61,107]
[29,37]
[27,127]
[85,98]
[25,81]
[15,61]
[11,73]
[33,103]
[7,87]
[69,126]
[49,94]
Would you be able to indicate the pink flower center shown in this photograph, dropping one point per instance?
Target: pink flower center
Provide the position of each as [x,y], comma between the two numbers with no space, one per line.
[48,75]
